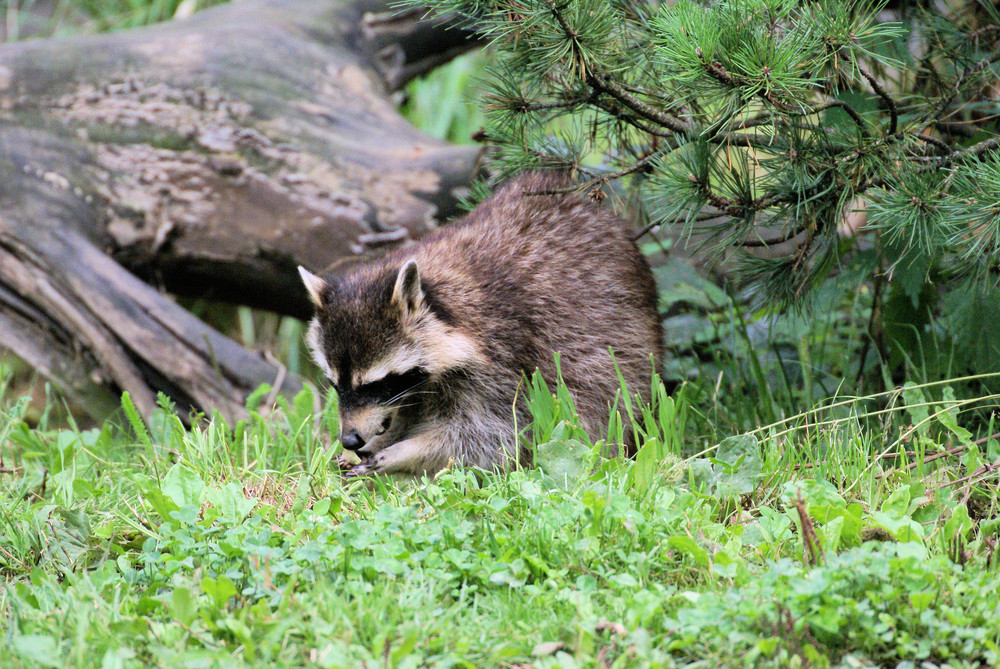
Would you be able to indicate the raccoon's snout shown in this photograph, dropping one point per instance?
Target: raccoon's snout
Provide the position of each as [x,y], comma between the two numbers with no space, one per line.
[364,429]
[352,441]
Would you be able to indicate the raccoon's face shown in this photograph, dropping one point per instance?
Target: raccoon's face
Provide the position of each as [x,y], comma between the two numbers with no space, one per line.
[383,342]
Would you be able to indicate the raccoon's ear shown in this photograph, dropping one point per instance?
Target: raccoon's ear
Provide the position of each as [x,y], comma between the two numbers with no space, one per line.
[407,292]
[315,286]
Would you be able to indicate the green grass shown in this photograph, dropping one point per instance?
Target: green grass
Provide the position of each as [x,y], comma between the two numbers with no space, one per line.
[241,545]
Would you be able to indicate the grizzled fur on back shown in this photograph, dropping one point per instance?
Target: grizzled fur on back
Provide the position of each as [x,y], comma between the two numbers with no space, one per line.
[427,346]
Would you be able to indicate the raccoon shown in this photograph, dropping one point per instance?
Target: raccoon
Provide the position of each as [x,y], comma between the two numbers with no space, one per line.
[427,346]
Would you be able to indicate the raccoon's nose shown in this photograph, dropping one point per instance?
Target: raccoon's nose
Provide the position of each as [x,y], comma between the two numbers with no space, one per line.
[352,441]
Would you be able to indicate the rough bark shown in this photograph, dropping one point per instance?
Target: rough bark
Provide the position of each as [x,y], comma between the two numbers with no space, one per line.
[205,157]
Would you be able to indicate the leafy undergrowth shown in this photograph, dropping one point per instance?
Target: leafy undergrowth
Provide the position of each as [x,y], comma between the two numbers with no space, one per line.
[817,543]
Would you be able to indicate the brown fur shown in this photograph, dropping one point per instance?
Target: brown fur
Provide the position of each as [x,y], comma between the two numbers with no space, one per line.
[491,297]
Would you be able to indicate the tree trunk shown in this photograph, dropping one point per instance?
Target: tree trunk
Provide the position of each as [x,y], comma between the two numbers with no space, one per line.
[206,157]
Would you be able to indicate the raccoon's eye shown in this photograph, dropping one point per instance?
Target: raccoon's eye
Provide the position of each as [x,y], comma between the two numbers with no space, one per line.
[393,387]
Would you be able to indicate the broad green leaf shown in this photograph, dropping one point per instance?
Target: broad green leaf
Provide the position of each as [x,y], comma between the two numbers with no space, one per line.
[737,466]
[232,505]
[77,521]
[898,503]
[812,492]
[182,605]
[960,523]
[220,590]
[565,460]
[949,417]
[903,528]
[182,485]
[687,546]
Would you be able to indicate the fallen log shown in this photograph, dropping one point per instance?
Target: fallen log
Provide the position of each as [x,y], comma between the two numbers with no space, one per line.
[205,157]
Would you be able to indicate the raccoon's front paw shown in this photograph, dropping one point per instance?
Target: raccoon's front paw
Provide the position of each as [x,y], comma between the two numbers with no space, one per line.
[358,472]
[365,466]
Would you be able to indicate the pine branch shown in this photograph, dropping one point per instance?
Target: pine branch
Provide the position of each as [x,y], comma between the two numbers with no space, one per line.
[764,243]
[636,123]
[858,121]
[765,119]
[743,94]
[601,179]
[542,106]
[830,104]
[700,218]
[933,141]
[736,208]
[801,253]
[717,72]
[941,163]
[877,87]
[604,83]
[642,90]
[981,147]
[972,152]
[936,110]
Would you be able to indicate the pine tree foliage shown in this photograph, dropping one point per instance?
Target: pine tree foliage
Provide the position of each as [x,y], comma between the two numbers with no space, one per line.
[763,123]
